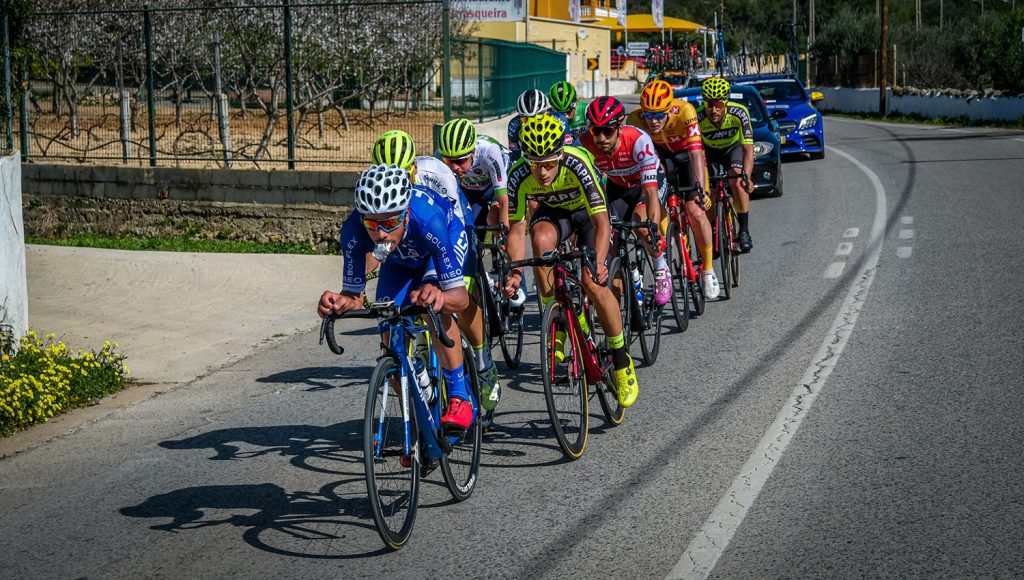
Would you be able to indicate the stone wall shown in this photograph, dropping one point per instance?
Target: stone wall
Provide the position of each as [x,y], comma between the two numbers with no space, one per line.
[13,286]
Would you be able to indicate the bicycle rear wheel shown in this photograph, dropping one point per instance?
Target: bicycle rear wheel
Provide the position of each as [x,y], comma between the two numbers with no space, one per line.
[681,283]
[696,288]
[393,490]
[607,395]
[461,467]
[512,341]
[724,251]
[650,337]
[734,225]
[565,387]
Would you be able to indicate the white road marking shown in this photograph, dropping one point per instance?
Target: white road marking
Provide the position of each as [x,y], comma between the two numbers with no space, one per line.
[851,233]
[844,249]
[834,269]
[713,538]
[1019,140]
[904,251]
[907,220]
[906,234]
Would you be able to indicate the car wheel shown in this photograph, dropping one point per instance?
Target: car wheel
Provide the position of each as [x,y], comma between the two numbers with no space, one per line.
[777,192]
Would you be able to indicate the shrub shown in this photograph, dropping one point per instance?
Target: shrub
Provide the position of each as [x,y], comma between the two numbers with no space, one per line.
[44,378]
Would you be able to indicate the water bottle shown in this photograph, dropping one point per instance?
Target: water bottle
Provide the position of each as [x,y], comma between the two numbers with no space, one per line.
[638,285]
[423,381]
[518,299]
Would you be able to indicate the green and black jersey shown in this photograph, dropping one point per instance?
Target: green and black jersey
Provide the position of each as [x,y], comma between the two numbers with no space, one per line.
[736,127]
[576,186]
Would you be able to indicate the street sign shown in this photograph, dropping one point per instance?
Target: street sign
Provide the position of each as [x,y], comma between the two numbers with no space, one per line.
[637,48]
[593,63]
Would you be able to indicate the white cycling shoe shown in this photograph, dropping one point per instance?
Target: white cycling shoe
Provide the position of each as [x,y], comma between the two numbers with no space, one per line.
[709,283]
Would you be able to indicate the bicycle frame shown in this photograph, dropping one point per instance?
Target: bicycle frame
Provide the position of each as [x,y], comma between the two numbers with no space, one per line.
[591,366]
[677,214]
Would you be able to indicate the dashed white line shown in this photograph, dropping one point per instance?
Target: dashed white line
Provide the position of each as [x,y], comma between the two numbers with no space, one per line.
[834,269]
[907,220]
[904,251]
[711,541]
[844,249]
[906,234]
[851,232]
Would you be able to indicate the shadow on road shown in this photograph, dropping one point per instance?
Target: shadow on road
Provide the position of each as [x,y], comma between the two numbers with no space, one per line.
[322,378]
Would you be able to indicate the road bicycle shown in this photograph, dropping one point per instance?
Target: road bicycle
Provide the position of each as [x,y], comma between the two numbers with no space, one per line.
[726,231]
[683,259]
[631,275]
[402,436]
[585,362]
[503,320]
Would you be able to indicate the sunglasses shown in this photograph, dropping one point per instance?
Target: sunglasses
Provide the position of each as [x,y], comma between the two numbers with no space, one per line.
[457,160]
[604,131]
[716,104]
[654,116]
[549,163]
[388,225]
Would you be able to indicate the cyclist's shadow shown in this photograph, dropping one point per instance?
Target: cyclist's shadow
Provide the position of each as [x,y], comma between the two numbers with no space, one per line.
[315,448]
[323,378]
[300,524]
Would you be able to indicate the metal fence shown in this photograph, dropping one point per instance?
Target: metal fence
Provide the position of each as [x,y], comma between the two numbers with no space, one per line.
[246,83]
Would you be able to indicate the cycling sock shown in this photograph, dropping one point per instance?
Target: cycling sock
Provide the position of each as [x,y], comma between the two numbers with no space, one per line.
[456,381]
[620,359]
[707,255]
[583,323]
[660,263]
[545,300]
[743,220]
[482,354]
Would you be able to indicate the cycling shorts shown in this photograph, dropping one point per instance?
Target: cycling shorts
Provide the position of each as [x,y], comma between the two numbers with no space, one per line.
[622,201]
[568,222]
[720,160]
[677,169]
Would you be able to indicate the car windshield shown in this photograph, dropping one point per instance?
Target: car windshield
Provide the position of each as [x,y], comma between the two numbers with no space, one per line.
[674,79]
[781,90]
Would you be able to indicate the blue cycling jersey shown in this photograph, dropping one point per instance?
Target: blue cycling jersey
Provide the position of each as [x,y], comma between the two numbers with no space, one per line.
[435,239]
[517,123]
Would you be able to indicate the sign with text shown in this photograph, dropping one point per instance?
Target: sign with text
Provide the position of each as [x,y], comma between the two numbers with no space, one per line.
[489,10]
[637,48]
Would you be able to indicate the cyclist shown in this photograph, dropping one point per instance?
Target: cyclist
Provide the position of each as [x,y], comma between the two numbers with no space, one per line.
[481,165]
[729,144]
[637,186]
[562,97]
[531,102]
[564,182]
[672,125]
[398,148]
[422,248]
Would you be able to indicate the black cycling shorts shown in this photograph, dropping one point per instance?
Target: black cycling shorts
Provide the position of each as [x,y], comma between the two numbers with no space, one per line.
[677,169]
[566,223]
[720,160]
[622,201]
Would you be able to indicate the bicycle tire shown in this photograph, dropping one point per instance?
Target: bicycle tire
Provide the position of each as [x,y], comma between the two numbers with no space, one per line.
[622,288]
[724,252]
[566,396]
[512,341]
[607,395]
[698,299]
[650,336]
[680,282]
[461,467]
[393,490]
[734,223]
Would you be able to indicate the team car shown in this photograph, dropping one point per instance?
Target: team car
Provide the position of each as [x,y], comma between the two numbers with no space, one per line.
[799,121]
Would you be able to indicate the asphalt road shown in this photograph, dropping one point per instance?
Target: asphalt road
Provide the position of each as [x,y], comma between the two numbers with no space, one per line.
[855,410]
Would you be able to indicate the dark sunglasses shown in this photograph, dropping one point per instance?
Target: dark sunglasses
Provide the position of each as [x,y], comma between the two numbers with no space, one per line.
[655,116]
[604,131]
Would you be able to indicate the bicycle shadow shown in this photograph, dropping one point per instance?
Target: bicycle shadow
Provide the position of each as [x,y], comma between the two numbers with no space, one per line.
[300,524]
[322,378]
[338,443]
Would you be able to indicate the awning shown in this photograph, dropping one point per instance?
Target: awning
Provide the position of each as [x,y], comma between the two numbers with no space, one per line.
[645,23]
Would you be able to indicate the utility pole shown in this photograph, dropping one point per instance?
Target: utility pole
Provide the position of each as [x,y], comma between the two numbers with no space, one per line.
[884,60]
[917,15]
[810,38]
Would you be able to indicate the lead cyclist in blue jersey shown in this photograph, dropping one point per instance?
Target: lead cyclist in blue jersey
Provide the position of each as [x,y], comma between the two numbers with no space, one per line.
[422,248]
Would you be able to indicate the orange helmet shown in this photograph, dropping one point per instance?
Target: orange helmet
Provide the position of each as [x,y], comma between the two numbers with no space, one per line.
[657,96]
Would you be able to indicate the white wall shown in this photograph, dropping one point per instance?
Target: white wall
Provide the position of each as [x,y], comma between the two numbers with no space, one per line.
[13,288]
[866,101]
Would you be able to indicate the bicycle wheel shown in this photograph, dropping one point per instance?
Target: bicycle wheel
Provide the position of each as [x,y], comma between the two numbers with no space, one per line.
[565,387]
[724,251]
[393,489]
[461,467]
[622,287]
[696,288]
[681,283]
[607,395]
[650,337]
[512,341]
[734,224]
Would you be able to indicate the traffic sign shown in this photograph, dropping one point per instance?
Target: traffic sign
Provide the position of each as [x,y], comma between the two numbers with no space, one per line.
[593,63]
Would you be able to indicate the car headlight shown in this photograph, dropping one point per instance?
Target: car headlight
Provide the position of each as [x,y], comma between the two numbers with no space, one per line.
[808,122]
[762,148]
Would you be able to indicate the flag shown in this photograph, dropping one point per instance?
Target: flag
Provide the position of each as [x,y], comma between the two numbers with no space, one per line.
[658,12]
[574,10]
[620,6]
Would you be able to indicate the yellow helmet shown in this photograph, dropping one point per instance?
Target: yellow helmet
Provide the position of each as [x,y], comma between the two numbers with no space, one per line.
[656,97]
[714,89]
[541,135]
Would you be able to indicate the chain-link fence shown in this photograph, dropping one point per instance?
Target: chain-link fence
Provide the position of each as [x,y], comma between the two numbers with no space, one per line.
[238,83]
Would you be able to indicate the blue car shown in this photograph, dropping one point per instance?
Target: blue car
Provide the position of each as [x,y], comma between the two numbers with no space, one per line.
[801,125]
[767,144]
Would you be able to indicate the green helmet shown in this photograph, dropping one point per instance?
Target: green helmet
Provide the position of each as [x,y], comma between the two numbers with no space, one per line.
[714,89]
[458,138]
[562,96]
[541,135]
[394,148]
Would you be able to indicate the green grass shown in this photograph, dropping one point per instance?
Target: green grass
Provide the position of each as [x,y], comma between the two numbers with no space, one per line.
[919,120]
[175,244]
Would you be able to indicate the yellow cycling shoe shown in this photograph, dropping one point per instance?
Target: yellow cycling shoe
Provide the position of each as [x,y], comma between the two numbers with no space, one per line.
[559,346]
[625,380]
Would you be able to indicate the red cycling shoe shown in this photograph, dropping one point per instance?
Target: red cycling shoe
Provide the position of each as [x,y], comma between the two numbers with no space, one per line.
[459,415]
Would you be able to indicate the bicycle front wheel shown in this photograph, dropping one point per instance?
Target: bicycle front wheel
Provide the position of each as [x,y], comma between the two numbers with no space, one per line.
[393,489]
[681,283]
[461,467]
[734,227]
[724,251]
[696,288]
[650,337]
[512,341]
[565,386]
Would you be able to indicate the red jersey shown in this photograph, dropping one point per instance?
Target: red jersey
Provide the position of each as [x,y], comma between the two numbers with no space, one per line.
[633,161]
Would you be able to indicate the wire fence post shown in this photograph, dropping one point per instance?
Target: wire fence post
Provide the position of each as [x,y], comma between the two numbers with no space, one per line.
[26,96]
[446,71]
[221,103]
[480,77]
[288,99]
[150,97]
[8,108]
